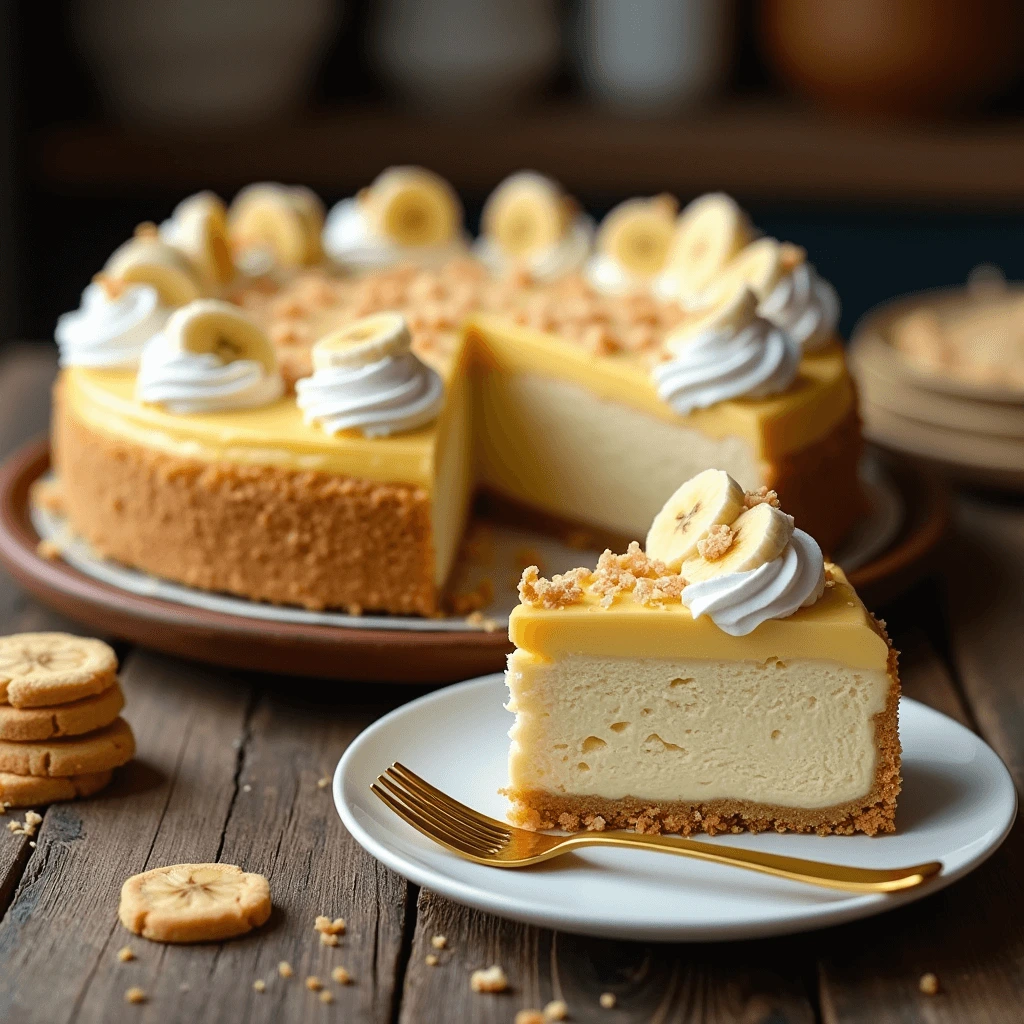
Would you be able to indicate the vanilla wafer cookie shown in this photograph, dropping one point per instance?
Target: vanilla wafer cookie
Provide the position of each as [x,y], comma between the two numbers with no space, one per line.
[97,751]
[32,791]
[194,902]
[74,719]
[43,669]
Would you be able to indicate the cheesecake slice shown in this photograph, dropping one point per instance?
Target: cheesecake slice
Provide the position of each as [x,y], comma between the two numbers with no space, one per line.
[738,684]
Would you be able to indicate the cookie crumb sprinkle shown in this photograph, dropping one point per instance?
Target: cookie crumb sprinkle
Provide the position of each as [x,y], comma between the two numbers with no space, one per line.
[762,496]
[431,959]
[492,979]
[608,1000]
[341,976]
[284,969]
[929,984]
[313,983]
[124,954]
[324,782]
[556,1010]
[439,941]
[28,826]
[325,926]
[135,995]
[529,1017]
[716,542]
[326,997]
[328,939]
[259,985]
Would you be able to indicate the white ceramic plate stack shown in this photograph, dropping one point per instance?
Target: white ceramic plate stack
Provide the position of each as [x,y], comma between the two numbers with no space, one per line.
[972,431]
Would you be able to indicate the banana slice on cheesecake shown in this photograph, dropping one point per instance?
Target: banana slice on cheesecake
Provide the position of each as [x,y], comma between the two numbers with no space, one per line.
[709,233]
[276,225]
[146,259]
[759,535]
[526,214]
[198,228]
[366,341]
[413,207]
[221,329]
[759,266]
[709,499]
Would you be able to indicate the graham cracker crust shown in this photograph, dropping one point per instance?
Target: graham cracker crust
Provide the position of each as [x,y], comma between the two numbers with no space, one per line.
[303,538]
[875,813]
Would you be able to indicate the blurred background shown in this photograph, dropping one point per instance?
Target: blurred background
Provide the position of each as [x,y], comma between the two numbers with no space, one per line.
[886,136]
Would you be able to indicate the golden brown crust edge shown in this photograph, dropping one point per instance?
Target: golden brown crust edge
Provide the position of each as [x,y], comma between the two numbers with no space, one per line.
[287,537]
[875,813]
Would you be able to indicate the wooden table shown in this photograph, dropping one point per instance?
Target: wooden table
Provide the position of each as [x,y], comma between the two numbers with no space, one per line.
[228,769]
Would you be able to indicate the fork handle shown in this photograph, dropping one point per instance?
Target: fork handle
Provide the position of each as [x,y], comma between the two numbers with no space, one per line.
[830,876]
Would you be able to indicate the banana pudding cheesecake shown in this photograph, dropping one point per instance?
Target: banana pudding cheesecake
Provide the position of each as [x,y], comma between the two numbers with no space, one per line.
[298,406]
[725,678]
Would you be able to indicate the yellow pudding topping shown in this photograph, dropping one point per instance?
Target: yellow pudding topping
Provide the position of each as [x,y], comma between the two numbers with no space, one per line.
[837,626]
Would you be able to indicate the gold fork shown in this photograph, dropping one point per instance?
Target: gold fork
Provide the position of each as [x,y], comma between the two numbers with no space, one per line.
[488,841]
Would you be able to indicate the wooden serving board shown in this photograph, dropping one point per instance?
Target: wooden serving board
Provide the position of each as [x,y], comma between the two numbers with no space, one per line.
[334,652]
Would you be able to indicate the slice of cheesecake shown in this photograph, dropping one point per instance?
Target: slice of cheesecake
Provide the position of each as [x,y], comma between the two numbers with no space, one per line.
[737,682]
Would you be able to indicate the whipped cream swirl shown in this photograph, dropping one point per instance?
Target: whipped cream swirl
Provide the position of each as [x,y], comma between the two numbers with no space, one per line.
[804,305]
[110,332]
[723,361]
[350,240]
[387,396]
[738,602]
[185,382]
[568,254]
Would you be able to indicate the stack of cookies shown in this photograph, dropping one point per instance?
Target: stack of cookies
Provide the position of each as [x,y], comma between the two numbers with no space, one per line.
[60,731]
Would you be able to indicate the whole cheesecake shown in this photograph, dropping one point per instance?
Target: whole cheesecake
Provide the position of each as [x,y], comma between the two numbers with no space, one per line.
[738,689]
[327,467]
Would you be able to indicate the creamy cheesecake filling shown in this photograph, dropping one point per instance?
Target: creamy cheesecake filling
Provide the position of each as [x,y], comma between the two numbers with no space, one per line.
[796,733]
[560,447]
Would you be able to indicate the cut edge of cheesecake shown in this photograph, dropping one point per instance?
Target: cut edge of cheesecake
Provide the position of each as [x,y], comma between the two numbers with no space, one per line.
[871,814]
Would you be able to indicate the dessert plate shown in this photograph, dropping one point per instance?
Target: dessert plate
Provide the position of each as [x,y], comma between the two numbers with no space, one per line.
[886,552]
[957,806]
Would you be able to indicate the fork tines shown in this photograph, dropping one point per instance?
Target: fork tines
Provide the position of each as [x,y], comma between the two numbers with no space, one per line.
[439,816]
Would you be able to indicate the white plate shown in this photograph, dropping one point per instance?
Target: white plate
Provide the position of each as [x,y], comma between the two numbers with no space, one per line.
[869,538]
[957,805]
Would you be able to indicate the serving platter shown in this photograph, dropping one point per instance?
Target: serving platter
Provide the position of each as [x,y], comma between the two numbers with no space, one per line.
[909,513]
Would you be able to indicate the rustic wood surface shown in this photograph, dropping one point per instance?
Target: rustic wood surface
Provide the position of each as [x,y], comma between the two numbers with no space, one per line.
[228,768]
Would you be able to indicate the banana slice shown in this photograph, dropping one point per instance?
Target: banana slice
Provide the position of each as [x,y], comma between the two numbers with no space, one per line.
[709,233]
[365,341]
[526,214]
[285,221]
[759,535]
[638,233]
[413,207]
[213,327]
[145,259]
[709,498]
[199,229]
[194,902]
[733,315]
[759,267]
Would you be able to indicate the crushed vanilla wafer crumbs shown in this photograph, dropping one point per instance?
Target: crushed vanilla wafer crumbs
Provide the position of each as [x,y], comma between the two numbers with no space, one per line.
[492,979]
[28,826]
[929,984]
[439,941]
[328,939]
[762,496]
[284,969]
[326,926]
[529,1017]
[326,997]
[135,995]
[716,542]
[259,985]
[608,1000]
[558,592]
[341,976]
[621,574]
[556,1010]
[313,983]
[124,954]
[324,782]
[431,959]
